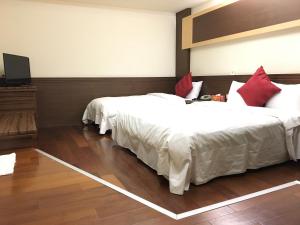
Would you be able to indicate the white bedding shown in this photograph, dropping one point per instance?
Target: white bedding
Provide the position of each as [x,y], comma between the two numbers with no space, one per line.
[201,141]
[102,110]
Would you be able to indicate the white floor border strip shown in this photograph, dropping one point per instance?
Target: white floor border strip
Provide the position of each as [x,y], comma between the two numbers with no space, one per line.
[235,200]
[163,210]
[114,187]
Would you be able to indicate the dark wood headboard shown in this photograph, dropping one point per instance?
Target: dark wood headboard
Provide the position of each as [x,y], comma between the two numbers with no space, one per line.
[221,84]
[61,101]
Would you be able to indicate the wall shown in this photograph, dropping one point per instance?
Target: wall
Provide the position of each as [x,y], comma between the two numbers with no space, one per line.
[87,41]
[62,101]
[278,52]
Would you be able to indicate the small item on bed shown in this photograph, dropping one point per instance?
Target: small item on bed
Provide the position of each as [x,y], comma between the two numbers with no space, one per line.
[258,89]
[184,86]
[188,101]
[218,98]
[205,98]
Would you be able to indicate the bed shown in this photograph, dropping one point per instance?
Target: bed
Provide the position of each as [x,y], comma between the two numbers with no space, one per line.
[204,140]
[102,110]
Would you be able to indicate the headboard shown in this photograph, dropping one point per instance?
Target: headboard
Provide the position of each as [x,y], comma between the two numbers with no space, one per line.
[221,84]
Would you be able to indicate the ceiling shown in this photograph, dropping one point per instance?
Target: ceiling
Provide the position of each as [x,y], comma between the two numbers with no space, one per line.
[159,5]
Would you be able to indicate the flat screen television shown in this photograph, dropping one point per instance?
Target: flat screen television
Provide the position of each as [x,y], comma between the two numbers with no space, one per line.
[16,69]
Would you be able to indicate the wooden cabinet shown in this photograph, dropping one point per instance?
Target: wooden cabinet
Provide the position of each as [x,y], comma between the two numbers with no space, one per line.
[17,117]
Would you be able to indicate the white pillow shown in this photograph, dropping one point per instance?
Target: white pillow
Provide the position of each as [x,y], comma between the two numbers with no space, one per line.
[233,97]
[287,99]
[194,93]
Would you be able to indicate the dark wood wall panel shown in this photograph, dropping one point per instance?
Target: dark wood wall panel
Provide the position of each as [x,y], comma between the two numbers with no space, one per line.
[244,15]
[61,101]
[221,84]
[182,56]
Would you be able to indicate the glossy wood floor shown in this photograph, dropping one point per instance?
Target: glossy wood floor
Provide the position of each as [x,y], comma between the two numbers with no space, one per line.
[44,192]
[99,155]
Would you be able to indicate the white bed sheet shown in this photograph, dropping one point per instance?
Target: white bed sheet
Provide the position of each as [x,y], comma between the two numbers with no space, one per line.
[102,110]
[201,141]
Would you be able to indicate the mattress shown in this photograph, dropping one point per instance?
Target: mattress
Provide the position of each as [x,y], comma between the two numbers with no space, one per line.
[205,140]
[102,110]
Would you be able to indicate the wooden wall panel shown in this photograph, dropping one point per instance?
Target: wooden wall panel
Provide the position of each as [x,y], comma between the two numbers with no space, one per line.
[61,101]
[182,56]
[221,84]
[244,15]
[187,31]
[238,19]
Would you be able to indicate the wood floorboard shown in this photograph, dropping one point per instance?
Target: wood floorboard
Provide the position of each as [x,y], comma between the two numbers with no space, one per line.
[99,155]
[42,191]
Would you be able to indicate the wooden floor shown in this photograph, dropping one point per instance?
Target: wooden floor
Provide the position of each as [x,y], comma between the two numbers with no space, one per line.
[100,156]
[44,192]
[41,191]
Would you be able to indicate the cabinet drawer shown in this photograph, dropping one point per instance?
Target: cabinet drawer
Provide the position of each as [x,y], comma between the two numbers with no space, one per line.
[17,98]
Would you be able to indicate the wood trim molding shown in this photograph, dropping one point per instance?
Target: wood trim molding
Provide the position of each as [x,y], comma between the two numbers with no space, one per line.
[182,56]
[187,24]
[260,31]
[213,8]
[187,32]
[189,27]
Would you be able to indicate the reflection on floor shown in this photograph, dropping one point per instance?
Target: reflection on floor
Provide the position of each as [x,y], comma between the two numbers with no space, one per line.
[42,191]
[98,155]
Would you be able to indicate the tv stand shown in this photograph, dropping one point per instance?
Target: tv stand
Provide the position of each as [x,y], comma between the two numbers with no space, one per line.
[18,117]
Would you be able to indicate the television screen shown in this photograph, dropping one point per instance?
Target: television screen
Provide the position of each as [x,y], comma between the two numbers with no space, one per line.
[16,69]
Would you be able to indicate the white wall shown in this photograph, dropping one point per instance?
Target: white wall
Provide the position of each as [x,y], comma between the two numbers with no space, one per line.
[278,52]
[84,41]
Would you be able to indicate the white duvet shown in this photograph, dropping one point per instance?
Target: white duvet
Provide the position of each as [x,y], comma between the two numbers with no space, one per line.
[102,110]
[198,142]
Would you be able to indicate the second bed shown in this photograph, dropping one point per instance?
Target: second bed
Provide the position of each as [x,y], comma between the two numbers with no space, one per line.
[198,142]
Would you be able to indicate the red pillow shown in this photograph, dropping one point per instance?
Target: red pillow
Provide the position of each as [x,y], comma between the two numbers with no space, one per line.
[184,86]
[260,72]
[258,89]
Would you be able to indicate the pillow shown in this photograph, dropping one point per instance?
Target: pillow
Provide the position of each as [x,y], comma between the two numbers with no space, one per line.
[258,89]
[260,72]
[184,86]
[233,97]
[287,99]
[194,93]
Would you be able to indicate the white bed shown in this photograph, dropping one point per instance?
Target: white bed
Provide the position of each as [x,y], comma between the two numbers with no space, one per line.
[198,142]
[102,110]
